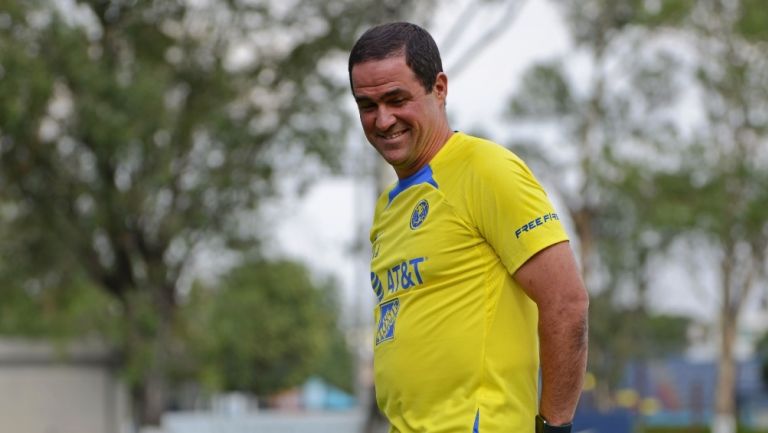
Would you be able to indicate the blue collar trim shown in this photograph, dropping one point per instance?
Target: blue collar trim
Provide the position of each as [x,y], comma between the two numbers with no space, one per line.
[424,175]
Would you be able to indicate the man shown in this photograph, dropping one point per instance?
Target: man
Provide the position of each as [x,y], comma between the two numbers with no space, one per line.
[476,282]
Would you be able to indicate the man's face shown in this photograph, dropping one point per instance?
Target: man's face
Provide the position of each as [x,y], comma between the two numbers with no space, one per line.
[400,119]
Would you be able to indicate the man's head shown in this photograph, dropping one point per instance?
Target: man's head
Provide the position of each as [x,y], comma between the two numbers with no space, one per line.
[398,39]
[400,89]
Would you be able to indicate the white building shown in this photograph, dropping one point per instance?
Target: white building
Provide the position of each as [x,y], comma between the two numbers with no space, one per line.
[49,389]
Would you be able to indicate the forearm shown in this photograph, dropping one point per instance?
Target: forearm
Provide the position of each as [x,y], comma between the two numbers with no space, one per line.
[563,354]
[551,279]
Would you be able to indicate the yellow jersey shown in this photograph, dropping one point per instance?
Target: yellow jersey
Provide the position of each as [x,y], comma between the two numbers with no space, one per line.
[456,344]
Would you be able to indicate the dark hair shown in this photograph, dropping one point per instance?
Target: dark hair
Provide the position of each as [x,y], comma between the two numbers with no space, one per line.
[394,39]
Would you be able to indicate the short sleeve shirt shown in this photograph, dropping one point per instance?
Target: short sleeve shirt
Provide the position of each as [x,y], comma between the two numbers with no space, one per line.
[456,344]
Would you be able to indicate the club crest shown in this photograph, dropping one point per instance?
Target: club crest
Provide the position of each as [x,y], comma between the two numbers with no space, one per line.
[419,214]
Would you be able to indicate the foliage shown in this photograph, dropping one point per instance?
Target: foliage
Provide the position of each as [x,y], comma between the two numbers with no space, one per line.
[604,123]
[134,135]
[752,19]
[725,180]
[74,310]
[266,328]
[595,23]
[623,334]
[635,175]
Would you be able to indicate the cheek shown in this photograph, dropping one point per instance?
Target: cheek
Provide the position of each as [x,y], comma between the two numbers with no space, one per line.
[414,115]
[367,120]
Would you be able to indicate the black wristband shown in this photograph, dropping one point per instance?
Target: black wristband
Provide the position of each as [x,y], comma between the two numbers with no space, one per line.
[543,427]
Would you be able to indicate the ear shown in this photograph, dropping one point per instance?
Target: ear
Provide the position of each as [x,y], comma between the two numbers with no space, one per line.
[441,87]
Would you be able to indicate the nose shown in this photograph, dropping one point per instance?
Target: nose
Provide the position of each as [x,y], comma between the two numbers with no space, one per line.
[384,119]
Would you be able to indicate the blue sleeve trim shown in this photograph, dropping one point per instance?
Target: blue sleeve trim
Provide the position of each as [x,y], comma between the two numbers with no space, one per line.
[476,428]
[424,175]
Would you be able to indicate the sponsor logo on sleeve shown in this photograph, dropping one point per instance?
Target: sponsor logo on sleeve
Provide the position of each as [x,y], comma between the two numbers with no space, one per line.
[536,223]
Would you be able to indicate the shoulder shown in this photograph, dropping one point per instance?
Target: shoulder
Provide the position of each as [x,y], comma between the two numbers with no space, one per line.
[472,165]
[480,152]
[488,161]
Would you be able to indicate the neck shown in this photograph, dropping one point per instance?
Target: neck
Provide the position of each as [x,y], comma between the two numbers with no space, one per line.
[430,151]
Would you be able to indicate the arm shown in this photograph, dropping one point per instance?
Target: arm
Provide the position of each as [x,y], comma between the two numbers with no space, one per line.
[552,280]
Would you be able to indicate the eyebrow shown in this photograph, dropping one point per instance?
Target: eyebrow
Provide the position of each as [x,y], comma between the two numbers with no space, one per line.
[394,92]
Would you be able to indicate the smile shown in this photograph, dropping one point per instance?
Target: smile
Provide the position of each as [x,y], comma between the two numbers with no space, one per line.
[394,135]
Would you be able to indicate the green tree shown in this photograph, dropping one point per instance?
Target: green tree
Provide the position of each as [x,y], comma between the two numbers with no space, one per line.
[605,121]
[598,115]
[631,248]
[738,215]
[712,193]
[266,327]
[135,134]
[701,183]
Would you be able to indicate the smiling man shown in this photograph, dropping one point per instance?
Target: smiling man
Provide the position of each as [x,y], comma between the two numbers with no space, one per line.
[477,286]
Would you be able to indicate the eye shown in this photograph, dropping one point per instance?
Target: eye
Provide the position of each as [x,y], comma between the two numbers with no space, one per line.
[365,107]
[397,101]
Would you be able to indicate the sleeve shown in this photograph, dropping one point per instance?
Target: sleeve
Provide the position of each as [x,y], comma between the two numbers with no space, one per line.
[510,208]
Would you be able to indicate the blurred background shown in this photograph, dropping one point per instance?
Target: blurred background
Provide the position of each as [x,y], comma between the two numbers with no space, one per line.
[185,195]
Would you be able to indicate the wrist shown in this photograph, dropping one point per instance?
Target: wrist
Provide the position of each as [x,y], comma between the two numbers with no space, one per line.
[542,426]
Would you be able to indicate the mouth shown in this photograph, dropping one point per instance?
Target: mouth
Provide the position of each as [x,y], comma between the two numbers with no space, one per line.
[393,135]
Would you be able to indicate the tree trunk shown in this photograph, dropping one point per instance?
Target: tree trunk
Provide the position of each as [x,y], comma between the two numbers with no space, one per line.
[582,221]
[155,394]
[724,420]
[725,407]
[150,393]
[149,400]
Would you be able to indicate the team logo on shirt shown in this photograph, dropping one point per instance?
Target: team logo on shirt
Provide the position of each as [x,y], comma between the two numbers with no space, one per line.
[419,214]
[387,316]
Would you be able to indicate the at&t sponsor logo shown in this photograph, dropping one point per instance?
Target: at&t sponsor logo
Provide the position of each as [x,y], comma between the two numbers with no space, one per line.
[402,276]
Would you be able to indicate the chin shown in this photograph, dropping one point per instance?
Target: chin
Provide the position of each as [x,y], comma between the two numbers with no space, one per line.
[394,160]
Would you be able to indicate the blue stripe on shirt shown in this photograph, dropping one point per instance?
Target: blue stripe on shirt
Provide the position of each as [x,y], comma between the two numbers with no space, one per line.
[424,175]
